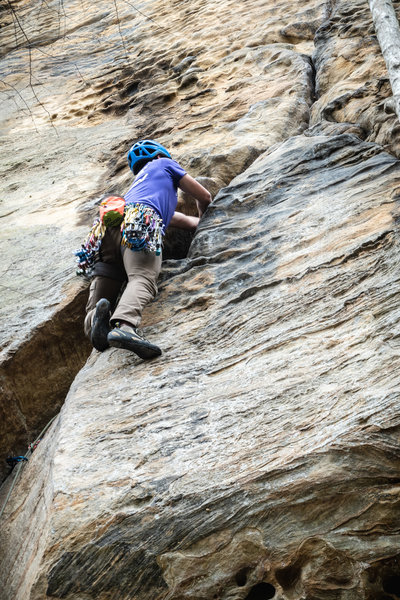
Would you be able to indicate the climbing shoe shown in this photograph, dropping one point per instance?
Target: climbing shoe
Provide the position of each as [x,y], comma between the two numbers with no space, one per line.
[100,325]
[126,337]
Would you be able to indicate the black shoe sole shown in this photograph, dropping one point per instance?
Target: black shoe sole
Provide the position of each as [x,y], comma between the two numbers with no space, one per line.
[142,348]
[100,326]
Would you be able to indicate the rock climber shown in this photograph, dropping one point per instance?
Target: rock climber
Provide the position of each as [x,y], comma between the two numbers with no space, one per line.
[132,251]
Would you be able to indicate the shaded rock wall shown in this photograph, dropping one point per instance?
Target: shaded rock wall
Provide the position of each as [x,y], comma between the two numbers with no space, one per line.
[259,456]
[36,377]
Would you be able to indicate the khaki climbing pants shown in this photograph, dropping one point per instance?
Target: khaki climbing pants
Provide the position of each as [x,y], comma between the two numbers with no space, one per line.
[119,263]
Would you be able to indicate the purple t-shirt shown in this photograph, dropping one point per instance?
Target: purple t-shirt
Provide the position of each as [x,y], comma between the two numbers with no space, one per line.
[156,186]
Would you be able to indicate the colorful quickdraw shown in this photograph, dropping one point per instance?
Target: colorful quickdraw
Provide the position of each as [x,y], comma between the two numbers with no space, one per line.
[85,256]
[142,229]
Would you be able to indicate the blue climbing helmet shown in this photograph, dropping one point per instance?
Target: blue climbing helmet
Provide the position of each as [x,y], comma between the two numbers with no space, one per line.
[143,151]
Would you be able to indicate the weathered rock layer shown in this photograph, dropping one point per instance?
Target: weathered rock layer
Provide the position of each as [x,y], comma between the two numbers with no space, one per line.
[259,456]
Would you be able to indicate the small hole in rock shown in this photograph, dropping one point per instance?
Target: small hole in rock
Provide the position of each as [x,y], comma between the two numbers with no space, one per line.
[131,89]
[241,577]
[288,576]
[391,585]
[261,591]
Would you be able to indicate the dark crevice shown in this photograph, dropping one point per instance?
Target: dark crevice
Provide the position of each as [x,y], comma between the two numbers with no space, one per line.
[313,92]
[261,591]
[241,576]
[37,377]
[177,243]
[288,576]
[391,585]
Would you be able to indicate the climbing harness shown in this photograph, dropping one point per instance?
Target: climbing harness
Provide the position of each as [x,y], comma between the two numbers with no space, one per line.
[142,229]
[18,461]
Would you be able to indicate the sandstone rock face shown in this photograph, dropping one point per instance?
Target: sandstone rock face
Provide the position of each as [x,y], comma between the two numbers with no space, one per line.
[102,75]
[259,456]
[352,84]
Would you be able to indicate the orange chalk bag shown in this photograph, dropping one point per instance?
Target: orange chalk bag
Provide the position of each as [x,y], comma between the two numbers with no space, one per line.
[112,211]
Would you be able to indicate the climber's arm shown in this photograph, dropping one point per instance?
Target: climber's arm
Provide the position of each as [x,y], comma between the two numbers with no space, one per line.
[184,221]
[194,188]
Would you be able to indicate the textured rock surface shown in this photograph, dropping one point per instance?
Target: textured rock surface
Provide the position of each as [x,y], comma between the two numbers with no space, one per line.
[352,84]
[103,74]
[263,445]
[259,456]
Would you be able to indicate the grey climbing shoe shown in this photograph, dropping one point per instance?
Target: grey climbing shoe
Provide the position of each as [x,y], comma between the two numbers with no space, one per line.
[100,325]
[126,337]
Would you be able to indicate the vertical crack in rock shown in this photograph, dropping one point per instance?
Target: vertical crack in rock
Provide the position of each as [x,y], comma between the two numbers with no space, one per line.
[313,87]
[352,82]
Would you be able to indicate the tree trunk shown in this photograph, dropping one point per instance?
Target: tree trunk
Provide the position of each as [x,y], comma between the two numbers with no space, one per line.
[388,34]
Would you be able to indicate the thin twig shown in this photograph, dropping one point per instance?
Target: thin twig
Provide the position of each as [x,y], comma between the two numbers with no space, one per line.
[30,45]
[23,100]
[30,66]
[119,29]
[146,16]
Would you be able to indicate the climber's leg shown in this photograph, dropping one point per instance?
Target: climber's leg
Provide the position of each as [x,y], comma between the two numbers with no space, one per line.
[102,297]
[142,269]
[104,289]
